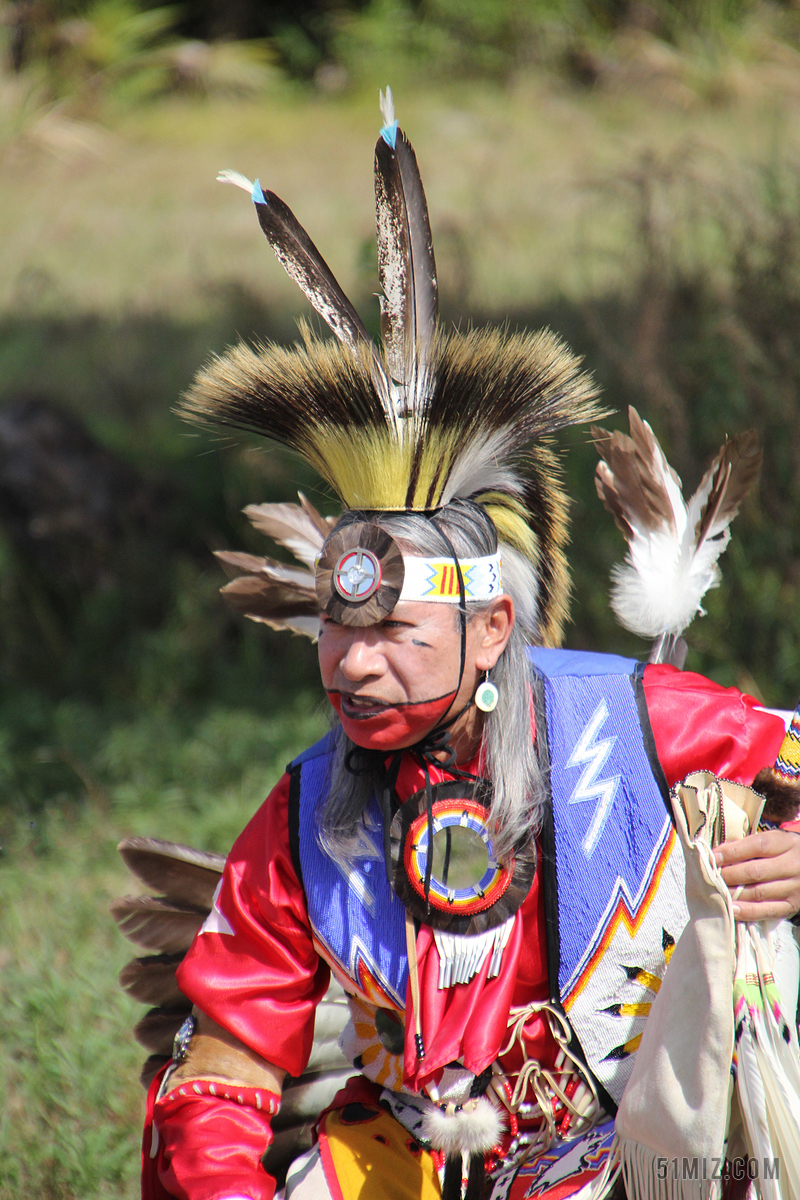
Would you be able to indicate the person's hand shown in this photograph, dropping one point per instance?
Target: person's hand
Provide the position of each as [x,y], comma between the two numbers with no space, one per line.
[763,874]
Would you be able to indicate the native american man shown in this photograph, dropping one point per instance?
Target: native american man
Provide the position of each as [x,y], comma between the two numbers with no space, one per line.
[481,851]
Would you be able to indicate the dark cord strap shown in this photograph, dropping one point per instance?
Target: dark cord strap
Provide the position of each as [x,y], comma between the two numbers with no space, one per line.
[427,749]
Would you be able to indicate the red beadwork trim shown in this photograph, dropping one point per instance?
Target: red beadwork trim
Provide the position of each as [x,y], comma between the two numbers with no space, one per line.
[258,1098]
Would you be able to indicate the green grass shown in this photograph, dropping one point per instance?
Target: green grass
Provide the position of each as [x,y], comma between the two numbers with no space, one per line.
[512,175]
[72,1107]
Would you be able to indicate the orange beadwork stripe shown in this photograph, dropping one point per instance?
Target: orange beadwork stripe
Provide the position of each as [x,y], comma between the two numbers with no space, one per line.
[622,916]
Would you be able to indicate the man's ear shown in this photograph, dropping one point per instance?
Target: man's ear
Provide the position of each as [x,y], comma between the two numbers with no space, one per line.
[498,621]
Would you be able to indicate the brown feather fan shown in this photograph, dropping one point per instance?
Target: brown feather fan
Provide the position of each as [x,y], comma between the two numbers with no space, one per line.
[186,880]
[278,595]
[179,873]
[157,924]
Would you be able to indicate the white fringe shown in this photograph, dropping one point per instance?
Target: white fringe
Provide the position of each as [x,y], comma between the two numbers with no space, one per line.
[649,1175]
[461,956]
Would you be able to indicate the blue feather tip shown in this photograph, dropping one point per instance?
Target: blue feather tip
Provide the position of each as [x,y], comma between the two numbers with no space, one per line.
[257,195]
[389,134]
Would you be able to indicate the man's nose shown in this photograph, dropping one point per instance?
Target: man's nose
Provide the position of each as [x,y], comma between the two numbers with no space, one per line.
[362,657]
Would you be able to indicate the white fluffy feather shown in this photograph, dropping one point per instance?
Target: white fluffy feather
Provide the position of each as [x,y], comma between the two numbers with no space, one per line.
[673,546]
[660,587]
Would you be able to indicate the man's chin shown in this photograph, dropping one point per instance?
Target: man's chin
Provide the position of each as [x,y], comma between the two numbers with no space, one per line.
[390,728]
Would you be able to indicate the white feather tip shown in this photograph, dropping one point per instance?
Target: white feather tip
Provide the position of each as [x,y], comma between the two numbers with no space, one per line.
[387,106]
[236,179]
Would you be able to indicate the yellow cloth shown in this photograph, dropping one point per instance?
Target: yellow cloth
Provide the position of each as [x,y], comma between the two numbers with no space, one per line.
[368,1155]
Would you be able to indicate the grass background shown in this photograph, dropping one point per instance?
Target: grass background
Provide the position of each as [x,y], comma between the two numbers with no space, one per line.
[635,189]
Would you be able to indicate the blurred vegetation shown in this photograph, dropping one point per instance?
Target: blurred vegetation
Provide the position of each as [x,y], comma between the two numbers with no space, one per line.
[70,1123]
[625,172]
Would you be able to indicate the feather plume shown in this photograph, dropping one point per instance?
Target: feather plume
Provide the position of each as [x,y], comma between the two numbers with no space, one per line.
[176,872]
[406,264]
[303,262]
[673,546]
[473,1130]
[157,924]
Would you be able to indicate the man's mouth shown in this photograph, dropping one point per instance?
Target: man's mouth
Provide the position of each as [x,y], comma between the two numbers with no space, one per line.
[357,707]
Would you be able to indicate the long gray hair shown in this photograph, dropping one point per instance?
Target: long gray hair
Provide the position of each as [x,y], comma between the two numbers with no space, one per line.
[509,756]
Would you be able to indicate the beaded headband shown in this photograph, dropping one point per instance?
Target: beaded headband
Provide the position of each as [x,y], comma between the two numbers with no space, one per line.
[361,575]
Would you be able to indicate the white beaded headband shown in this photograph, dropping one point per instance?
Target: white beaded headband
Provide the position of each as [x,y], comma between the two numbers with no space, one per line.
[361,575]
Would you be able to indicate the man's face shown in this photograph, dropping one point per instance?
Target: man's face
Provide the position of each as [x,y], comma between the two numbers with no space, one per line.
[407,660]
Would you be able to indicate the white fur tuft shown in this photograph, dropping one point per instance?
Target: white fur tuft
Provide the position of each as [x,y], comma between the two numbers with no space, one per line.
[473,1130]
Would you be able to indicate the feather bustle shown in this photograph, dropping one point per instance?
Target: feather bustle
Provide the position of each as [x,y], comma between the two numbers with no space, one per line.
[157,924]
[157,1028]
[151,980]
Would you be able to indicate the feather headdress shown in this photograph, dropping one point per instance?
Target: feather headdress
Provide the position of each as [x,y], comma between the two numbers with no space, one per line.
[673,545]
[434,416]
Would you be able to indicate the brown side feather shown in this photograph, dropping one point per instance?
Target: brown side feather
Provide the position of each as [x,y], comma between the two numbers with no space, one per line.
[627,480]
[239,561]
[262,600]
[178,873]
[276,572]
[157,924]
[151,980]
[157,1028]
[323,524]
[732,473]
[299,527]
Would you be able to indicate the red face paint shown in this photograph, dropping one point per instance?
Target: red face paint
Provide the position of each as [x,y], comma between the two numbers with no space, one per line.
[395,727]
